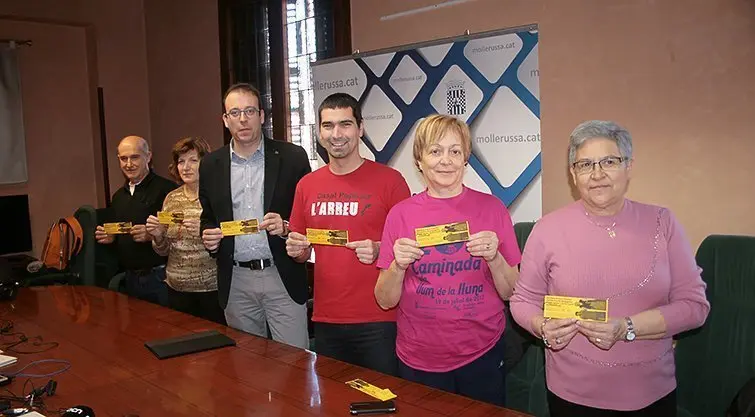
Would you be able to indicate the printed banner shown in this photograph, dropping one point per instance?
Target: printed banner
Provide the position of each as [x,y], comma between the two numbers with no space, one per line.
[491,82]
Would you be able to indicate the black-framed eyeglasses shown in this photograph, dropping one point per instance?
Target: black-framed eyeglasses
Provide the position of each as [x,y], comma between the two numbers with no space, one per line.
[609,163]
[249,112]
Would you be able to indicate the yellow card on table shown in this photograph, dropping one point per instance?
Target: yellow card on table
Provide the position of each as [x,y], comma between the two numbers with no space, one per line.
[239,227]
[119,228]
[442,234]
[167,217]
[327,237]
[588,309]
[371,390]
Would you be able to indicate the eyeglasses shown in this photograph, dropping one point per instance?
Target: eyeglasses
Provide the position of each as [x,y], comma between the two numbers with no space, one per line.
[249,112]
[609,163]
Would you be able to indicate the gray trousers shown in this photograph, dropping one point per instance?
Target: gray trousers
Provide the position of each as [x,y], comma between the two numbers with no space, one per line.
[258,298]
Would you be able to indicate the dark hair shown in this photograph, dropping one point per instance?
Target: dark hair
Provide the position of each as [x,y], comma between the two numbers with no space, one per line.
[341,101]
[245,87]
[186,145]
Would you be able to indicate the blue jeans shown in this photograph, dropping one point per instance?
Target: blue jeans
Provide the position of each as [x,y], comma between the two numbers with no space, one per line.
[148,285]
[369,345]
[483,379]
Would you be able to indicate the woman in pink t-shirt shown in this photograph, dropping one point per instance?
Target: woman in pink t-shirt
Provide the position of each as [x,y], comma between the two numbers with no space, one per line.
[633,255]
[450,316]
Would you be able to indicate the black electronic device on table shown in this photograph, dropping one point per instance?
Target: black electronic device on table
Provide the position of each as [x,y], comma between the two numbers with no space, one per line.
[372,407]
[190,343]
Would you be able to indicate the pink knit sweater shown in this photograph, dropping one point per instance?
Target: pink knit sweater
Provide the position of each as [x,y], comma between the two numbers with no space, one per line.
[648,264]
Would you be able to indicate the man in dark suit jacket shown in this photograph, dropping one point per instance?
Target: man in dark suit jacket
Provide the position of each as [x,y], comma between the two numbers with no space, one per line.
[254,177]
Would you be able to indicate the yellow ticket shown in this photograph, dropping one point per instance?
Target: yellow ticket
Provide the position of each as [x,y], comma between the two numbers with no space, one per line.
[239,227]
[167,217]
[588,309]
[119,228]
[327,237]
[442,234]
[371,390]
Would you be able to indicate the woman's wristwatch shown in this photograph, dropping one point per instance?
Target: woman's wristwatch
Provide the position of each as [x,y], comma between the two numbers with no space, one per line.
[630,330]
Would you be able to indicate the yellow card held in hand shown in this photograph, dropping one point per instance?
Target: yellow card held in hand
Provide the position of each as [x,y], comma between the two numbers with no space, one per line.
[167,217]
[239,227]
[119,228]
[328,237]
[588,309]
[371,390]
[442,234]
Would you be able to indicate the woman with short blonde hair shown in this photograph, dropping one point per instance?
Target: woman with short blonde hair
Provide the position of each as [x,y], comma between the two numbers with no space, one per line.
[450,317]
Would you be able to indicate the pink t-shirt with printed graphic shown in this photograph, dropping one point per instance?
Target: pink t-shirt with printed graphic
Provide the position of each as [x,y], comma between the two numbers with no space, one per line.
[449,313]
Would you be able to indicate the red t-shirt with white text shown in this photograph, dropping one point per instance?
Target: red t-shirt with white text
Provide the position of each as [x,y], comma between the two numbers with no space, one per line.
[344,288]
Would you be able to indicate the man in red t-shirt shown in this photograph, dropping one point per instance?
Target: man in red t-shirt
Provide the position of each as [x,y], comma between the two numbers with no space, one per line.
[350,194]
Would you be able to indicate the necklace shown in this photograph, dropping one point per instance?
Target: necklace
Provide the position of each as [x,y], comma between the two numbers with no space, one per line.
[189,194]
[609,229]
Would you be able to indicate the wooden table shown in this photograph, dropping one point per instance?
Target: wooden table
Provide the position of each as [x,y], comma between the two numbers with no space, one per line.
[102,334]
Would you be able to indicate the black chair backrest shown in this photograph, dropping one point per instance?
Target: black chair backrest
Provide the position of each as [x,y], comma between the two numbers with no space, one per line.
[743,404]
[713,362]
[83,263]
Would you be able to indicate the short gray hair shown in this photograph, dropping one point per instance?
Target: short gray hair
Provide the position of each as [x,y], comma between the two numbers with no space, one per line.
[592,129]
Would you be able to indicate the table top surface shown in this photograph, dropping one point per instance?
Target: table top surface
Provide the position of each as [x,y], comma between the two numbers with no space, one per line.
[102,334]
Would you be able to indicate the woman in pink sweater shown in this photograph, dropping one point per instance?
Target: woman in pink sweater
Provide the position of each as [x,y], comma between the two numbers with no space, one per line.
[608,247]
